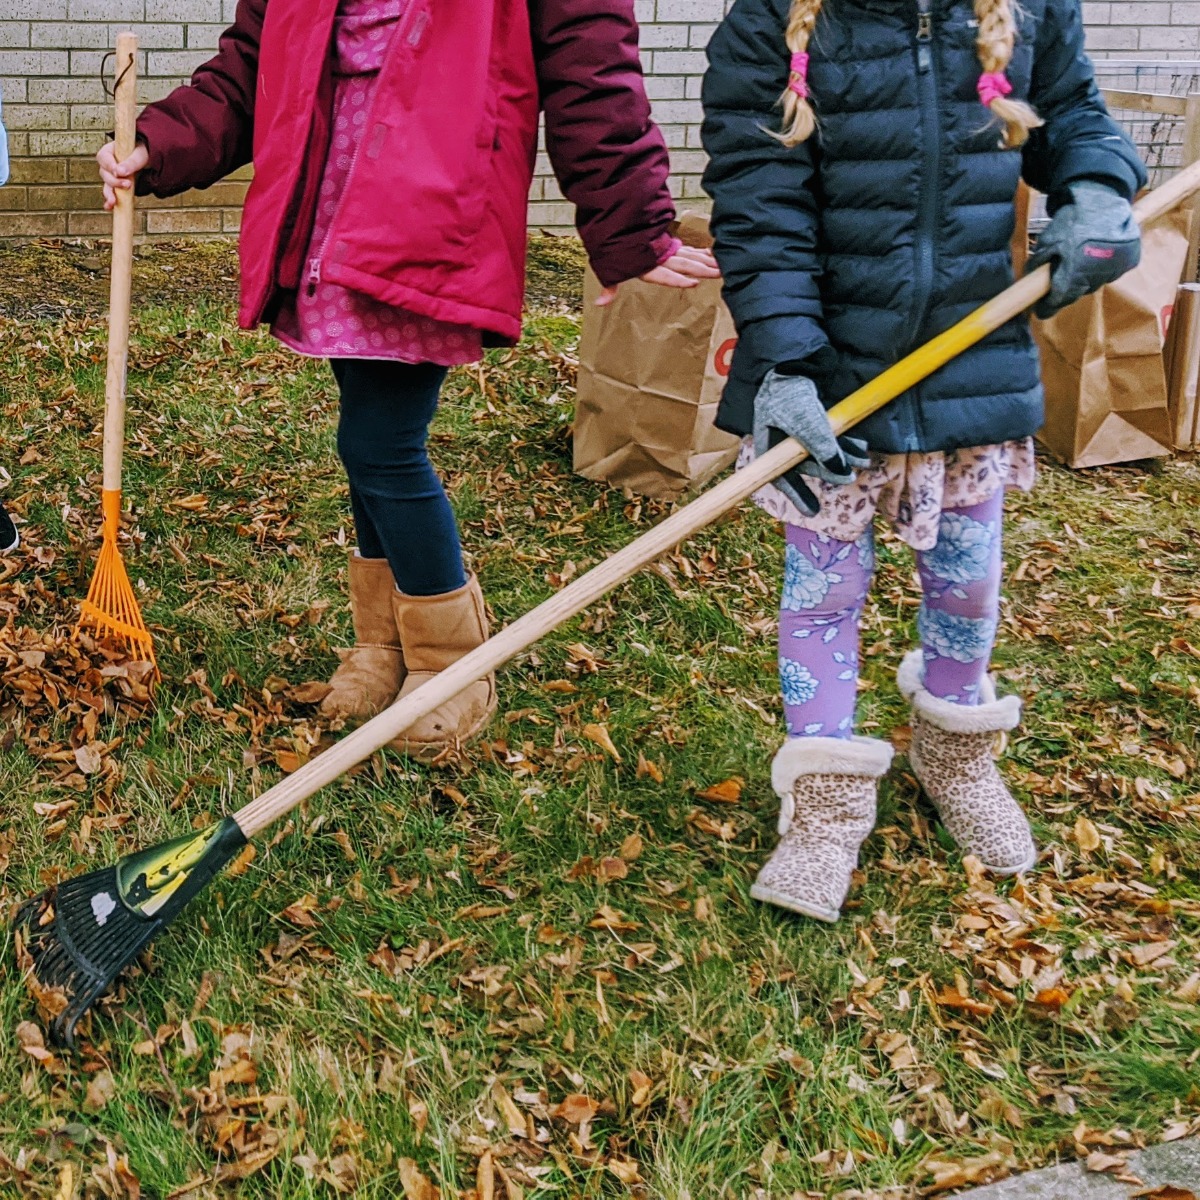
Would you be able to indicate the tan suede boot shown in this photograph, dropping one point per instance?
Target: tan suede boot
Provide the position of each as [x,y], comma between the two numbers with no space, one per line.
[952,756]
[826,789]
[372,670]
[436,631]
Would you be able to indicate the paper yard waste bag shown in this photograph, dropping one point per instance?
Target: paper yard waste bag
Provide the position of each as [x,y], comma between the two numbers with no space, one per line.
[652,366]
[1102,360]
[1183,369]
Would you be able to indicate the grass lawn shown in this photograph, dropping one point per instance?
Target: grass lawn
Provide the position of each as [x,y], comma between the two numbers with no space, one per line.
[537,971]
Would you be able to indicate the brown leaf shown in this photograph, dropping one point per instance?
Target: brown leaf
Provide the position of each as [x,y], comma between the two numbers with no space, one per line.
[724,830]
[600,736]
[312,692]
[89,759]
[949,997]
[575,1109]
[631,848]
[416,1185]
[300,912]
[1099,1163]
[1054,998]
[609,869]
[241,864]
[610,918]
[485,1178]
[1167,1192]
[625,1169]
[514,1118]
[1087,836]
[196,503]
[642,1087]
[648,769]
[418,1110]
[100,1090]
[1149,952]
[729,791]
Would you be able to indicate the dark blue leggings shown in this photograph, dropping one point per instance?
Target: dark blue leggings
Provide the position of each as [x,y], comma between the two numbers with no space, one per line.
[401,512]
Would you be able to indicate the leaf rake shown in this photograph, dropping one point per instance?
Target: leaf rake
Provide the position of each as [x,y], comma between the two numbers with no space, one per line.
[78,937]
[111,606]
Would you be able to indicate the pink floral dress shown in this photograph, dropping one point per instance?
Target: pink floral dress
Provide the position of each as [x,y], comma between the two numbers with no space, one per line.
[911,490]
[323,320]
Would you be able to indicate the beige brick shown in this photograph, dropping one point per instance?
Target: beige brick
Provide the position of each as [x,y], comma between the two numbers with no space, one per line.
[38,170]
[22,225]
[36,116]
[184,221]
[63,144]
[99,224]
[64,199]
[14,199]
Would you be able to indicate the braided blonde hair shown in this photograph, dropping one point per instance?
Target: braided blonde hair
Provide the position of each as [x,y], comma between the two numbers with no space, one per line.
[997,37]
[995,43]
[799,120]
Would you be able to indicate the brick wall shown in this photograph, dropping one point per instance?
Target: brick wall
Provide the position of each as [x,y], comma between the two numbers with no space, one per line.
[56,110]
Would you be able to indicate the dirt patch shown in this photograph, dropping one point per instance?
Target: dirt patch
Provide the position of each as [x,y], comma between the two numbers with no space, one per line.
[51,279]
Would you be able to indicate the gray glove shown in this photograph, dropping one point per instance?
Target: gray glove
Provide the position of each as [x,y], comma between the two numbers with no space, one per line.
[789,406]
[1090,242]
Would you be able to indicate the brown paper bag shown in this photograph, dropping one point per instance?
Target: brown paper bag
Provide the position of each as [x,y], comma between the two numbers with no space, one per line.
[652,367]
[1183,369]
[1102,360]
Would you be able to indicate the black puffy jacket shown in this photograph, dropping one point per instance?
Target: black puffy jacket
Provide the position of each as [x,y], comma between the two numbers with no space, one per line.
[895,220]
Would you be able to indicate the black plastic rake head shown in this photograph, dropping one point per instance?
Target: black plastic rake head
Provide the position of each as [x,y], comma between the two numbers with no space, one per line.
[79,936]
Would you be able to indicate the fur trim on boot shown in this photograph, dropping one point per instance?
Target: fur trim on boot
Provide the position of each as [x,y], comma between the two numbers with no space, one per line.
[372,671]
[436,631]
[952,758]
[826,789]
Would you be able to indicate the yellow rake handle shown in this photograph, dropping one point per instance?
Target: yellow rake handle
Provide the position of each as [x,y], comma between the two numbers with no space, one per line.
[588,588]
[121,284]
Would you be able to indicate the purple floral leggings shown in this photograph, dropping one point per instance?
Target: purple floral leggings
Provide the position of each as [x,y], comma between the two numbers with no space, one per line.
[825,588]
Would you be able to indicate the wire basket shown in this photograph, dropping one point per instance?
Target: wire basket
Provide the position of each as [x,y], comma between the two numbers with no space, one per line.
[1158,137]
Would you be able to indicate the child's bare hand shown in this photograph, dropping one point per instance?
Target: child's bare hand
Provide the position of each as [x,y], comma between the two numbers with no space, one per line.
[684,269]
[118,175]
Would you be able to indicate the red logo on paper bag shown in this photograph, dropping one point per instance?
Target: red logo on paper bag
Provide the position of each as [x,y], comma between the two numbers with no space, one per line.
[723,359]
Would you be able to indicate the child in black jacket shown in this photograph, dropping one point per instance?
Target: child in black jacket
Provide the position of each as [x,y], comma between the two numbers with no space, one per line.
[870,214]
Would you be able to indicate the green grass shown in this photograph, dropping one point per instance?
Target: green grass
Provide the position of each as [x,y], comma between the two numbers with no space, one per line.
[453,939]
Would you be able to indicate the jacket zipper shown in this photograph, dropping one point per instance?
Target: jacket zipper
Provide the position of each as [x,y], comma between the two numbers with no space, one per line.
[927,212]
[412,29]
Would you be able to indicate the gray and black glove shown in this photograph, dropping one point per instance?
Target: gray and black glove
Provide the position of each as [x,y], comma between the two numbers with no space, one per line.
[789,406]
[1090,242]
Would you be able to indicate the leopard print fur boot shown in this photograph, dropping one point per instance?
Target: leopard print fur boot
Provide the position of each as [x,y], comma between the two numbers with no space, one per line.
[826,788]
[952,756]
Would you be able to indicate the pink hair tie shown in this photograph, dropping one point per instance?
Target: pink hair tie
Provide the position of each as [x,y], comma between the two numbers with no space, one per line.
[798,80]
[993,85]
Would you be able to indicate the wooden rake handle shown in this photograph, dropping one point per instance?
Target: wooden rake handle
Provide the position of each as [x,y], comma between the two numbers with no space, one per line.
[574,598]
[121,283]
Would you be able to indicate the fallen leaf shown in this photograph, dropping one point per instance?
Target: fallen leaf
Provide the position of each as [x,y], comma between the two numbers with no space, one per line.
[1087,836]
[100,1090]
[648,769]
[88,759]
[600,736]
[416,1185]
[631,848]
[625,1169]
[1167,1192]
[575,1109]
[642,1087]
[729,791]
[514,1118]
[300,912]
[1100,1163]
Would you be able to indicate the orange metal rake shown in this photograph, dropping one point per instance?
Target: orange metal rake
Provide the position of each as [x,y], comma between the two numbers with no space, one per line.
[111,605]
